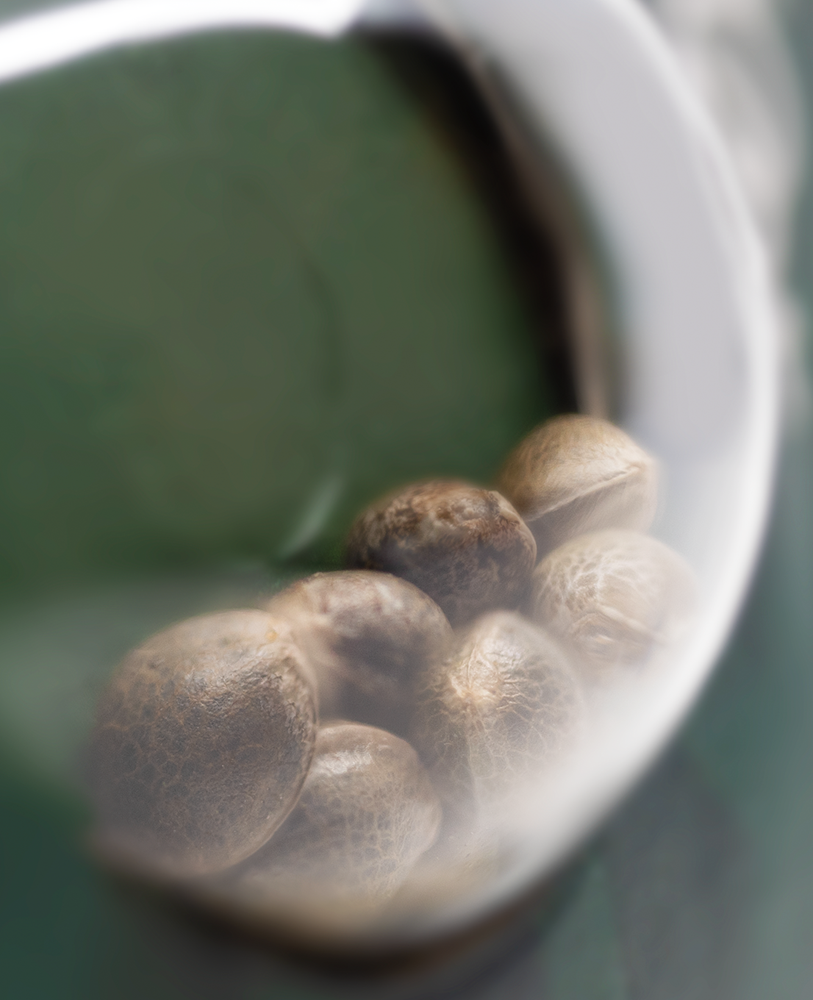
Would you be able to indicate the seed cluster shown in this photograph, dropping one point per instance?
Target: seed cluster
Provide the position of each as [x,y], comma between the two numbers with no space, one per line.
[298,762]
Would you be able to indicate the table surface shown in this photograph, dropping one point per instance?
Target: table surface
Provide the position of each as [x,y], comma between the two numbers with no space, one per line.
[700,886]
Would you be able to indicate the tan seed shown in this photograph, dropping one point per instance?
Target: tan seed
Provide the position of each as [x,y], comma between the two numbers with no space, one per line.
[466,547]
[367,637]
[202,742]
[496,715]
[366,813]
[614,597]
[576,474]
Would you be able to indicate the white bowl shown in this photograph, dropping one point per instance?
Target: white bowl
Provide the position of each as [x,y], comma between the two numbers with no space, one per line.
[688,363]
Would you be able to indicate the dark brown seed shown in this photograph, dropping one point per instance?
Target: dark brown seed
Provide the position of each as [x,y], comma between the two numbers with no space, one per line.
[202,742]
[366,813]
[576,474]
[495,716]
[466,547]
[367,637]
[614,597]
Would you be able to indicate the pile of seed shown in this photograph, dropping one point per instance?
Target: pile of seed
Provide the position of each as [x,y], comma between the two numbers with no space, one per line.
[301,759]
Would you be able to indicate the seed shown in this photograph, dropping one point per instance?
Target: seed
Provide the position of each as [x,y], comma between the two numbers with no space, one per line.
[496,715]
[614,597]
[367,637]
[366,813]
[576,474]
[202,742]
[466,547]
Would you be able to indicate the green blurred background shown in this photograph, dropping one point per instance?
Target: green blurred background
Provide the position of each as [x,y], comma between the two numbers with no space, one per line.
[164,211]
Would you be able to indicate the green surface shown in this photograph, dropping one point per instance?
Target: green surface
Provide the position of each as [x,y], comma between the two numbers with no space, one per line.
[246,284]
[701,887]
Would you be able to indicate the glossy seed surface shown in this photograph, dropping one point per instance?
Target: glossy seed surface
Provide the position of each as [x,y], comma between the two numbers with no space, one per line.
[503,708]
[202,743]
[366,813]
[614,597]
[367,636]
[464,546]
[576,474]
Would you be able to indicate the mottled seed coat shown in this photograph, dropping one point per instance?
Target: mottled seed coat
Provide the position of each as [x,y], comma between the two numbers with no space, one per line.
[202,742]
[496,715]
[367,636]
[613,597]
[464,546]
[366,813]
[576,474]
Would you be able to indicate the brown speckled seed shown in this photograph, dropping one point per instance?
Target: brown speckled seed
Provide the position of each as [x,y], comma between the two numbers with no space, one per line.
[613,596]
[366,813]
[367,636]
[502,709]
[202,742]
[466,547]
[576,474]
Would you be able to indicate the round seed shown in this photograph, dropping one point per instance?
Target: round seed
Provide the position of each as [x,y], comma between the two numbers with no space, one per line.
[202,742]
[366,813]
[496,715]
[614,597]
[466,547]
[367,636]
[576,474]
